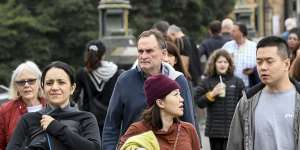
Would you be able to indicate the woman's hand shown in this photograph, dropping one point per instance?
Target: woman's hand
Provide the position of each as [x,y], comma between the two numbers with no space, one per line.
[217,90]
[45,121]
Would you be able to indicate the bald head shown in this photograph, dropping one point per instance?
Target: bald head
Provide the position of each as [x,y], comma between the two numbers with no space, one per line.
[227,25]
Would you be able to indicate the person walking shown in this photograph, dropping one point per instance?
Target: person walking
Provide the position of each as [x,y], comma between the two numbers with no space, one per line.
[59,126]
[267,116]
[95,81]
[165,105]
[26,96]
[128,99]
[219,92]
[243,52]
[214,42]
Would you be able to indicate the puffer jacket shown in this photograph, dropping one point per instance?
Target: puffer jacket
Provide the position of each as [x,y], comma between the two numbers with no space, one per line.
[241,135]
[219,112]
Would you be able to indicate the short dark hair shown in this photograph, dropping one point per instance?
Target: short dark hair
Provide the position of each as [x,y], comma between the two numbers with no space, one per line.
[158,35]
[161,26]
[215,27]
[282,46]
[61,65]
[94,51]
[211,70]
[242,28]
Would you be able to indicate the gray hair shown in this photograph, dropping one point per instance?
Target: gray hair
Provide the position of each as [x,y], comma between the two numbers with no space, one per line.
[173,28]
[227,24]
[25,65]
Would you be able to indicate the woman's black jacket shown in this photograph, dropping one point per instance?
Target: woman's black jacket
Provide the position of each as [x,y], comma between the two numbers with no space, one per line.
[219,112]
[71,130]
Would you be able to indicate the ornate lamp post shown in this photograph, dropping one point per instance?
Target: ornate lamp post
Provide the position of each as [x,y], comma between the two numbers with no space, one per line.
[114,31]
[245,14]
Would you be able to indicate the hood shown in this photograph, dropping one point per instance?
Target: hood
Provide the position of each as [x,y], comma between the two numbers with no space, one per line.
[167,70]
[102,74]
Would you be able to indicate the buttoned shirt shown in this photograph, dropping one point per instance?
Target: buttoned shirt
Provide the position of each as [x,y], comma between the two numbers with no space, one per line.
[244,56]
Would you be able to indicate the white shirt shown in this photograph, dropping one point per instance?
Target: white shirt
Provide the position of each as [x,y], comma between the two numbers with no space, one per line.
[244,56]
[34,108]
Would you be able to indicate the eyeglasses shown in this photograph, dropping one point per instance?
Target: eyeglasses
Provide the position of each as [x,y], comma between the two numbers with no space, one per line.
[23,82]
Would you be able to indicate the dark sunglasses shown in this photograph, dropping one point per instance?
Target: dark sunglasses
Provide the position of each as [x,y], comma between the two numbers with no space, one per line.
[23,82]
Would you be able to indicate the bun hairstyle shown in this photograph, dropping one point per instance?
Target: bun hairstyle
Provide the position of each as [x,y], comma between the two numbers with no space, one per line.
[93,55]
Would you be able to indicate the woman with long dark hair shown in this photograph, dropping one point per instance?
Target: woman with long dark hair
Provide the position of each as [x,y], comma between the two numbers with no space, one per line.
[175,60]
[96,81]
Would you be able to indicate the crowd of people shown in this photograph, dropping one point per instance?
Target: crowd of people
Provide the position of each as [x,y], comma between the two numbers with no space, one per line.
[250,92]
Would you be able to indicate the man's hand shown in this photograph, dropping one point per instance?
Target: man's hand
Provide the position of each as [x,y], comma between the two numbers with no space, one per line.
[248,71]
[45,121]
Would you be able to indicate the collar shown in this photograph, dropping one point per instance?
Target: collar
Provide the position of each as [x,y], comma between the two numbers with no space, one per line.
[252,91]
[50,109]
[163,70]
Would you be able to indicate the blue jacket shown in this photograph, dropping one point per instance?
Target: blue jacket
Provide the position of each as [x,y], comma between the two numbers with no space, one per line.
[128,102]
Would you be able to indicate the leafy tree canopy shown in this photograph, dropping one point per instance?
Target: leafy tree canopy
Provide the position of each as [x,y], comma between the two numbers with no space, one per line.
[44,31]
[193,16]
[48,30]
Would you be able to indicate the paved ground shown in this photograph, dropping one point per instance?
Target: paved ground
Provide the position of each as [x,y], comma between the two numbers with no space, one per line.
[205,140]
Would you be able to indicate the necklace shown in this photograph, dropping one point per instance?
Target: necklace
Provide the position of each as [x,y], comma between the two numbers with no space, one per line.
[177,136]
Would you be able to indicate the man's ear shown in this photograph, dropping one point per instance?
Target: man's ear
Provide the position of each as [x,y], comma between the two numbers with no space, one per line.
[160,103]
[287,63]
[165,54]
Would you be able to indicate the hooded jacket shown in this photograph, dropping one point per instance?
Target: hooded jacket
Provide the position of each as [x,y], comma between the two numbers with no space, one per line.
[241,134]
[95,88]
[128,101]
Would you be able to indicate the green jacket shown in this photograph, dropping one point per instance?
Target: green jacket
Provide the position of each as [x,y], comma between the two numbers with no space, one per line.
[241,134]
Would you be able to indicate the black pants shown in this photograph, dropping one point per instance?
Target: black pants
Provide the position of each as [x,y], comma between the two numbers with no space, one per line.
[218,143]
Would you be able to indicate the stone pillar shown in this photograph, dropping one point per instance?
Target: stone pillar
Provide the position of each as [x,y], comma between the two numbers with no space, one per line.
[114,32]
[245,13]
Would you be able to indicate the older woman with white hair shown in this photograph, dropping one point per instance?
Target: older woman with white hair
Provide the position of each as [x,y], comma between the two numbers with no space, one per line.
[25,96]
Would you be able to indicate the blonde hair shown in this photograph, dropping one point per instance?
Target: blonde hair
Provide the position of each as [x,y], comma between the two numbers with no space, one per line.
[29,65]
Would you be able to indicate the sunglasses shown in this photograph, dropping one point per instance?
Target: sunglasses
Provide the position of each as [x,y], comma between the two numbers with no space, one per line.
[23,82]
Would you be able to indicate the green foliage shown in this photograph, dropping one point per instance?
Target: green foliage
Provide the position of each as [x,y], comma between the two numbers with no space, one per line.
[44,31]
[193,16]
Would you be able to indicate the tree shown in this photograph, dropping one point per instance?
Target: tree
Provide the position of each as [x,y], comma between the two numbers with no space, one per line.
[44,31]
[193,16]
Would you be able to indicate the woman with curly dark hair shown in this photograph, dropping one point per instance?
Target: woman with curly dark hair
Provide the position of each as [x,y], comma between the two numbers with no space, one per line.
[220,92]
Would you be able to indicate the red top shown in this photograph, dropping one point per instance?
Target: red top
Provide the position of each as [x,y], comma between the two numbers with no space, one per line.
[187,136]
[10,114]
